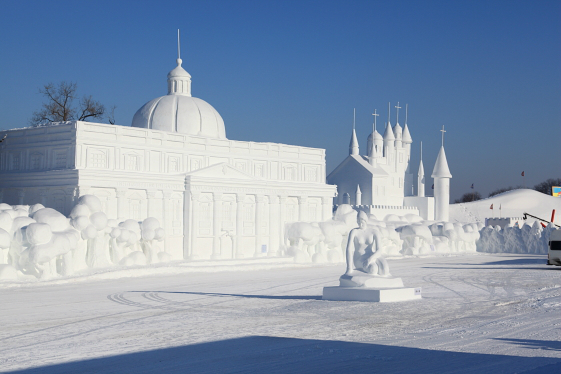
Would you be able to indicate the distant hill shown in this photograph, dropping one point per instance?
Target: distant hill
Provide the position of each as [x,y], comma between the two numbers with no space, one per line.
[513,203]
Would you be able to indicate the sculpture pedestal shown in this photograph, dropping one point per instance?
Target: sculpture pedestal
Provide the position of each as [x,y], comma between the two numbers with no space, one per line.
[359,286]
[382,295]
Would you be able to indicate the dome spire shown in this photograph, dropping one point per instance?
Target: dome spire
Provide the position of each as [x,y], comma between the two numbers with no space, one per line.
[179,61]
[179,81]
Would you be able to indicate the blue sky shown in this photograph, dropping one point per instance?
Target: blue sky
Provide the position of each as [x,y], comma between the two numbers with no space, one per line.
[292,72]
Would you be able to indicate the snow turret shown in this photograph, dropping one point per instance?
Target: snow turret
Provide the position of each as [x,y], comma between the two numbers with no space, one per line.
[358,198]
[389,139]
[441,175]
[441,169]
[353,146]
[374,146]
[421,180]
[397,131]
[406,138]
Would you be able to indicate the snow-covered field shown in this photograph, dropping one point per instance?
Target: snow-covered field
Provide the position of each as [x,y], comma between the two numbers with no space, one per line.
[480,313]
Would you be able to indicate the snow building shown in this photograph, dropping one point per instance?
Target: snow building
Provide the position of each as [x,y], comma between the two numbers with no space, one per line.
[215,197]
[381,182]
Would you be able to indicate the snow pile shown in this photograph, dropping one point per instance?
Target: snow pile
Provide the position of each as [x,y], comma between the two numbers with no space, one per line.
[407,235]
[532,239]
[43,243]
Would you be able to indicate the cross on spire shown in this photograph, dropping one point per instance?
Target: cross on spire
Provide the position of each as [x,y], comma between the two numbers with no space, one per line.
[443,131]
[375,115]
[398,108]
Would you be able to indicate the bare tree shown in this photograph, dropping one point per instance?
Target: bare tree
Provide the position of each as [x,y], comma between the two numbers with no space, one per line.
[59,105]
[545,186]
[468,197]
[111,115]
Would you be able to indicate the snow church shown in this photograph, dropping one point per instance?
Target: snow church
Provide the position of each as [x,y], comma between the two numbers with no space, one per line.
[381,182]
[216,198]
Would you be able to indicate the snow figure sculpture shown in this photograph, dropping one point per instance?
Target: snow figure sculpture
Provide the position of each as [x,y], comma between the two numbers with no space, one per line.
[363,252]
[368,276]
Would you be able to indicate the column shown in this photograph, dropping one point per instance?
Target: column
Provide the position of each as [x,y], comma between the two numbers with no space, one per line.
[327,208]
[151,209]
[282,219]
[216,223]
[44,194]
[120,193]
[240,198]
[302,208]
[274,238]
[194,225]
[21,195]
[167,219]
[258,219]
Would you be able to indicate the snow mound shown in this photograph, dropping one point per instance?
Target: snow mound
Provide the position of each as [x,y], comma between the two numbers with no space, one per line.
[512,204]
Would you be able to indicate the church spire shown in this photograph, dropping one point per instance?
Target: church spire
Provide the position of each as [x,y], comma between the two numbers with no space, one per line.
[421,176]
[353,146]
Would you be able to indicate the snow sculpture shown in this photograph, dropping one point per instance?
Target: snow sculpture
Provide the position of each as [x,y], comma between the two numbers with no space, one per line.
[363,255]
[43,243]
[88,218]
[321,241]
[151,233]
[530,239]
[367,277]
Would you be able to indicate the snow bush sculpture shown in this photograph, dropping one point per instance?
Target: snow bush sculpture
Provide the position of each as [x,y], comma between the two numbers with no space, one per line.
[42,242]
[528,239]
[398,236]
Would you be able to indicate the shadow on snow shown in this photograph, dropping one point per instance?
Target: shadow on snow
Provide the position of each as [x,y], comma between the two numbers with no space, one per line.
[272,297]
[263,354]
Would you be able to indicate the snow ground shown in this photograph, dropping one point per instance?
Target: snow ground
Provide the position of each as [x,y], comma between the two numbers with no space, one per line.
[480,313]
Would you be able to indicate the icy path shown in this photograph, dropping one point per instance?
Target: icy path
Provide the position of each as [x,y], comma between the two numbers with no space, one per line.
[480,314]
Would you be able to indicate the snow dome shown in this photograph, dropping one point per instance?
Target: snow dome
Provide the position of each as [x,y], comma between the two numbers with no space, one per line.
[179,112]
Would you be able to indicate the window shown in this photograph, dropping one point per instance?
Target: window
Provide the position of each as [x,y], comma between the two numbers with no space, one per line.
[131,162]
[134,209]
[98,159]
[311,174]
[259,170]
[60,160]
[35,161]
[173,165]
[15,162]
[195,164]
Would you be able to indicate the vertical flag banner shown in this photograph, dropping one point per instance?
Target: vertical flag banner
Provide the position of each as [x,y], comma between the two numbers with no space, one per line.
[491,207]
[522,173]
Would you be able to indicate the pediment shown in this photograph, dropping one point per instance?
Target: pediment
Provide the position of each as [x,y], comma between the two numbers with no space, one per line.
[222,170]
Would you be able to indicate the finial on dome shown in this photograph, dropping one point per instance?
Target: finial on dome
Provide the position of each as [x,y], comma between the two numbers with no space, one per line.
[179,60]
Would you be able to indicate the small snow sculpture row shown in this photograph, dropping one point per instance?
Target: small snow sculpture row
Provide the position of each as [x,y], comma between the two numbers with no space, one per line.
[42,242]
[396,236]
